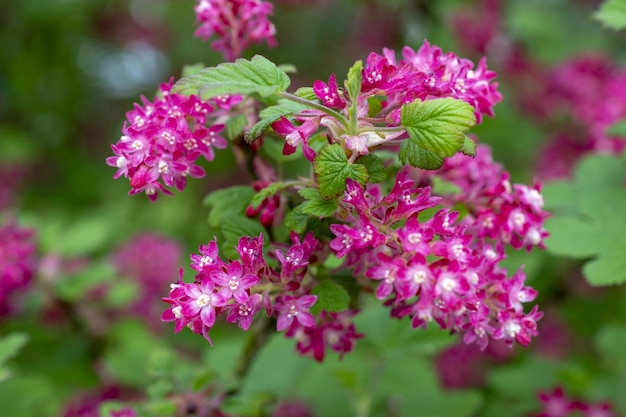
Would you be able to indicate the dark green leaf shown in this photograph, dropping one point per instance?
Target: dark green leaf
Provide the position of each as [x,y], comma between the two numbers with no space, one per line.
[10,345]
[234,227]
[227,201]
[415,156]
[612,14]
[296,220]
[235,126]
[331,297]
[439,125]
[315,205]
[375,168]
[266,192]
[332,168]
[243,76]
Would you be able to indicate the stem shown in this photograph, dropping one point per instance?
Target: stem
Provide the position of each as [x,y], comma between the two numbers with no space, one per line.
[317,106]
[259,334]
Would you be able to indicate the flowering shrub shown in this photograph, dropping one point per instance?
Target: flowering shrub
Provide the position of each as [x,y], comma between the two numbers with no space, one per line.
[365,253]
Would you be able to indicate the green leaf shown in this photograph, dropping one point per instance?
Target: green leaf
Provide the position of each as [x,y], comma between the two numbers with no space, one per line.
[332,168]
[469,147]
[331,297]
[75,287]
[609,268]
[227,201]
[437,126]
[10,345]
[315,205]
[189,70]
[354,81]
[235,126]
[296,220]
[612,14]
[271,114]
[375,105]
[611,342]
[266,192]
[617,129]
[307,93]
[572,236]
[234,227]
[442,187]
[84,236]
[375,168]
[417,157]
[259,75]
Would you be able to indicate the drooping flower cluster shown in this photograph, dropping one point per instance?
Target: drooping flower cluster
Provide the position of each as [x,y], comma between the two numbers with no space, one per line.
[163,139]
[424,74]
[556,403]
[150,261]
[17,263]
[237,24]
[497,210]
[241,288]
[432,269]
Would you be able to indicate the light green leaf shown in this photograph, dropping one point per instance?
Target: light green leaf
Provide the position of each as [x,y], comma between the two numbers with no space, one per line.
[331,297]
[259,75]
[617,129]
[609,268]
[612,14]
[307,93]
[315,205]
[417,157]
[572,236]
[296,220]
[375,168]
[189,70]
[354,81]
[437,126]
[469,147]
[266,192]
[332,168]
[10,345]
[232,200]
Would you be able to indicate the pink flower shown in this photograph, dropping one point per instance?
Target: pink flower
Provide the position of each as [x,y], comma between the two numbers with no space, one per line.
[17,262]
[290,308]
[202,301]
[329,93]
[233,281]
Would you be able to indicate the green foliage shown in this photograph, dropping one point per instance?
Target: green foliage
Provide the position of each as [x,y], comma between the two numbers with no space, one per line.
[587,219]
[296,220]
[266,192]
[315,205]
[612,14]
[227,201]
[10,345]
[257,76]
[331,297]
[233,227]
[375,168]
[436,130]
[271,114]
[333,169]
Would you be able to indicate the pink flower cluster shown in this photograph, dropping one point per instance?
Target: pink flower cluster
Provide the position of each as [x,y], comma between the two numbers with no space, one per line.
[163,139]
[556,404]
[432,269]
[150,261]
[497,210]
[424,74]
[17,262]
[241,288]
[236,23]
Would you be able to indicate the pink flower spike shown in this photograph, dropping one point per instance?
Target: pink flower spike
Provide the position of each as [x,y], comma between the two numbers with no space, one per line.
[244,312]
[290,308]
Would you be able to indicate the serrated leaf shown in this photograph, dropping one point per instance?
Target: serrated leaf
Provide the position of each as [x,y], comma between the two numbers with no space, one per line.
[331,297]
[271,114]
[315,205]
[307,93]
[259,75]
[469,147]
[332,169]
[375,168]
[235,126]
[288,68]
[296,220]
[227,201]
[266,192]
[354,81]
[438,126]
[415,156]
[612,14]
